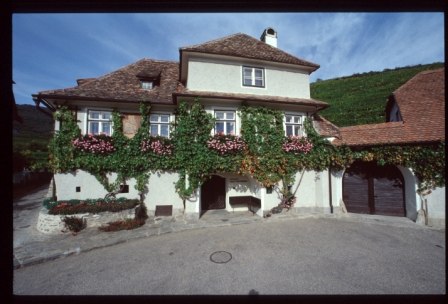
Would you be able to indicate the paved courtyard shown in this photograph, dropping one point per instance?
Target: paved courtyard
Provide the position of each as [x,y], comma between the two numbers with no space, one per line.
[328,255]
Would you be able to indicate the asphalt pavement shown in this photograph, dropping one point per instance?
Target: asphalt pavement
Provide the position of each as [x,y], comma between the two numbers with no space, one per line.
[230,253]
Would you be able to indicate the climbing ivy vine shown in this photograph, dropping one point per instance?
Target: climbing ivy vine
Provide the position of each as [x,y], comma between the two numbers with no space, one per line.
[262,152]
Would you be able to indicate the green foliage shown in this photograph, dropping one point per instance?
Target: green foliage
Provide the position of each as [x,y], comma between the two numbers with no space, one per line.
[31,139]
[262,130]
[194,160]
[262,157]
[89,206]
[361,99]
[62,158]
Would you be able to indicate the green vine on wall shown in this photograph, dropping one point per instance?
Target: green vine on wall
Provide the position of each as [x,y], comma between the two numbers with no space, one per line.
[262,157]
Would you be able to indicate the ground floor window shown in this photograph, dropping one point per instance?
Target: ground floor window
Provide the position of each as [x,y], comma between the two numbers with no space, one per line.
[293,125]
[99,122]
[159,125]
[225,122]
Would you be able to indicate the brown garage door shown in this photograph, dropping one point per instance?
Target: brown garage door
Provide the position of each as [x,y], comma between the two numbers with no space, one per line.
[372,189]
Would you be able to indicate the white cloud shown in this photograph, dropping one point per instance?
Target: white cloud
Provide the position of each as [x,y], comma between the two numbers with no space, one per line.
[56,49]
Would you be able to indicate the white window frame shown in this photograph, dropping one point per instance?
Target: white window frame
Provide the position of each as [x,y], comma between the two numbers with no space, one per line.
[101,120]
[159,123]
[225,120]
[253,78]
[300,123]
[147,84]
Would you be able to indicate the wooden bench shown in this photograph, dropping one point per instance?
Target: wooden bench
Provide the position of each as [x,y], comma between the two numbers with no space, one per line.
[249,201]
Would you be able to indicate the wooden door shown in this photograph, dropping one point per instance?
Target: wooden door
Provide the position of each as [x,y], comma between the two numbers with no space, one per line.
[213,193]
[372,189]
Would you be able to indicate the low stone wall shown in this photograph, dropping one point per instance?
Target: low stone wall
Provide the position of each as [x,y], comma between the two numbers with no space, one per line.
[50,224]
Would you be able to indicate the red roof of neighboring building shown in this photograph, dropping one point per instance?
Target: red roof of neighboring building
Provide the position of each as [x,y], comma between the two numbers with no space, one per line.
[325,128]
[421,101]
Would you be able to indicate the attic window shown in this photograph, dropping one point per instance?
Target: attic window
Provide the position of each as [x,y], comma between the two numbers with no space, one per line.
[147,85]
[253,77]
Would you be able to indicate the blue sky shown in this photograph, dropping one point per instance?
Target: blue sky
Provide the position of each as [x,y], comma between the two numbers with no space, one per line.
[51,51]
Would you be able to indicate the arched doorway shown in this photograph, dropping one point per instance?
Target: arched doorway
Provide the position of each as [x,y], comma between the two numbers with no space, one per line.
[373,189]
[213,193]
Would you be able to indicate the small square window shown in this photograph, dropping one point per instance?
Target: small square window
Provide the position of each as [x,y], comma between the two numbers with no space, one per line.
[147,85]
[78,189]
[124,189]
[253,77]
[269,190]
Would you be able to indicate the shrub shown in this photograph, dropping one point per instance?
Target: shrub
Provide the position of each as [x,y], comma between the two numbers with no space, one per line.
[127,224]
[74,224]
[90,206]
[49,203]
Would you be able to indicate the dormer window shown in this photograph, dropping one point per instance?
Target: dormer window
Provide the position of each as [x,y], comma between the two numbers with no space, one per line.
[253,77]
[149,79]
[147,85]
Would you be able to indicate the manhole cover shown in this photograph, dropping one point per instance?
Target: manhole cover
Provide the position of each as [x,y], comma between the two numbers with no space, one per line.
[220,257]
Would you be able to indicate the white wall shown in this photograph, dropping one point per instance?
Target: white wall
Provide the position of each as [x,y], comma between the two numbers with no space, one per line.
[312,193]
[224,76]
[336,189]
[161,191]
[436,207]
[411,198]
[90,187]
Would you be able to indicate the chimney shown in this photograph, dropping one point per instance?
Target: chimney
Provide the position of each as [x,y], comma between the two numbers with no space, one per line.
[269,36]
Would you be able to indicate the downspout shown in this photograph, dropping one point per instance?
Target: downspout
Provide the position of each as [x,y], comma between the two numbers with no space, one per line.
[330,190]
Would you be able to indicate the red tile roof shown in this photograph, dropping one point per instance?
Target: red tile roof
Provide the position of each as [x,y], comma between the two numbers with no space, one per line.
[421,101]
[245,46]
[324,127]
[124,84]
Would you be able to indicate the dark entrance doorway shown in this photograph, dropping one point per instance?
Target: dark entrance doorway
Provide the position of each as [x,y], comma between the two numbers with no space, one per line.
[213,193]
[372,189]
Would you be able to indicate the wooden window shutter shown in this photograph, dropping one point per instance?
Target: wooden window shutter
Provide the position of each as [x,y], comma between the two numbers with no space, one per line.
[131,124]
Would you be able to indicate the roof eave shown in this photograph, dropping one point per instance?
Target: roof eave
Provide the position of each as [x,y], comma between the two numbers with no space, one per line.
[317,106]
[97,99]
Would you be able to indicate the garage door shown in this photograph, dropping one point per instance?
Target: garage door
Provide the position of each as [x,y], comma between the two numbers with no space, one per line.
[372,189]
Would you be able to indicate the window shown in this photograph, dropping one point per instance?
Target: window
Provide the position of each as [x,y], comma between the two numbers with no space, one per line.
[99,122]
[253,77]
[159,125]
[147,85]
[293,125]
[225,122]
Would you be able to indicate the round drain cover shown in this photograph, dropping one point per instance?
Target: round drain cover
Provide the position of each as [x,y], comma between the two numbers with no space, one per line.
[220,257]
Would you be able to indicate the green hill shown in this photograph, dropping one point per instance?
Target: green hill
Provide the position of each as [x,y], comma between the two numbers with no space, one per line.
[31,138]
[361,98]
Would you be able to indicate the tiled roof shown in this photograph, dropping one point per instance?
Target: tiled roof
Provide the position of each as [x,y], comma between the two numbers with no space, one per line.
[245,46]
[324,127]
[421,101]
[182,92]
[124,84]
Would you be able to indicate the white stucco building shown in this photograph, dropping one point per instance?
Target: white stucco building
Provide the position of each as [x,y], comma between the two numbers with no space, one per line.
[223,73]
